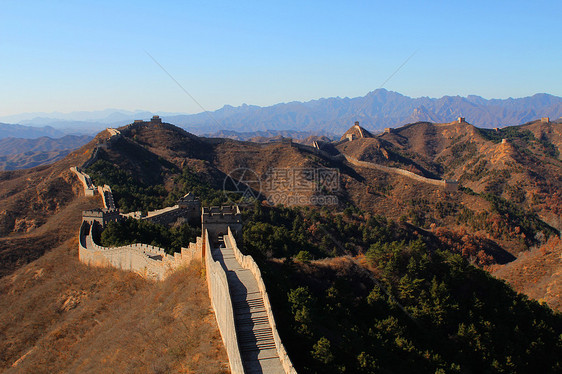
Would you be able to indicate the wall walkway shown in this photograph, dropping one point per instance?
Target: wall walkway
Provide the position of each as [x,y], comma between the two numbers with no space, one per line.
[236,289]
[260,345]
[107,197]
[89,188]
[219,292]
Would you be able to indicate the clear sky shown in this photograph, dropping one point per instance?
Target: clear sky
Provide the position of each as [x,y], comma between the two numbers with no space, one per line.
[90,55]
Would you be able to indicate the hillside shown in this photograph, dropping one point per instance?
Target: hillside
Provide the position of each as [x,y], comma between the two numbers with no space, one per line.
[59,315]
[537,273]
[165,162]
[402,260]
[270,135]
[493,175]
[20,153]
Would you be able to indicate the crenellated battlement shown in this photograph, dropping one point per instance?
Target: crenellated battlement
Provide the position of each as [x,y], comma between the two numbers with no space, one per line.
[102,216]
[217,214]
[216,220]
[147,260]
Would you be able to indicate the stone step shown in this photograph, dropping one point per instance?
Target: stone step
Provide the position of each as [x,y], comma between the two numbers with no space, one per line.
[253,343]
[248,308]
[256,347]
[256,333]
[253,329]
[259,320]
[260,339]
[256,340]
[241,296]
[250,302]
[261,344]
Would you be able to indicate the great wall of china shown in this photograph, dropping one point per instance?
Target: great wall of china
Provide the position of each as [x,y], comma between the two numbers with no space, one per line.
[448,185]
[238,294]
[236,288]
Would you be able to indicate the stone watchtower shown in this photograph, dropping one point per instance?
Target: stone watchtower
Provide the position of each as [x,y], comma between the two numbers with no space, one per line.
[191,207]
[101,216]
[216,221]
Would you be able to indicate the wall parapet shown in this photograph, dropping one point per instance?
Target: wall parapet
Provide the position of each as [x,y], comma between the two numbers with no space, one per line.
[219,293]
[107,196]
[148,260]
[248,262]
[89,188]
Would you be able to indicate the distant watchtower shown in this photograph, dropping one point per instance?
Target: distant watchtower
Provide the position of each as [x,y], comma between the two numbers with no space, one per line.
[156,119]
[461,120]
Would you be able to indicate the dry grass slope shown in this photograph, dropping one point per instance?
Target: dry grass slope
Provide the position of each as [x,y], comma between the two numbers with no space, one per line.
[537,273]
[58,315]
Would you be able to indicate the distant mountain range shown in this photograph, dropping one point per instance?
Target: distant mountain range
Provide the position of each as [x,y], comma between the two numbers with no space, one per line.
[12,146]
[376,110]
[259,136]
[19,153]
[8,130]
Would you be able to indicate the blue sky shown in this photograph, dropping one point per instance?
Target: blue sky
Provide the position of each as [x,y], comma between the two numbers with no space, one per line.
[75,55]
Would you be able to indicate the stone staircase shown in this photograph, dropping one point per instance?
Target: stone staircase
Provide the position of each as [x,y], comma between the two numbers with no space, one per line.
[255,337]
[108,199]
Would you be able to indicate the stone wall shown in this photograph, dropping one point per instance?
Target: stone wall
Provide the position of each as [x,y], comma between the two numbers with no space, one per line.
[93,158]
[107,197]
[89,188]
[168,215]
[222,304]
[248,262]
[101,216]
[147,260]
[448,185]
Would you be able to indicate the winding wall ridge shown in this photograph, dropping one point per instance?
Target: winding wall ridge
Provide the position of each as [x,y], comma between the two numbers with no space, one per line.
[248,262]
[448,185]
[89,188]
[219,293]
[107,197]
[153,262]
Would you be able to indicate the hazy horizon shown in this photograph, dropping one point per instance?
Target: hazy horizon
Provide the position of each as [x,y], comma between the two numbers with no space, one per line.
[32,115]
